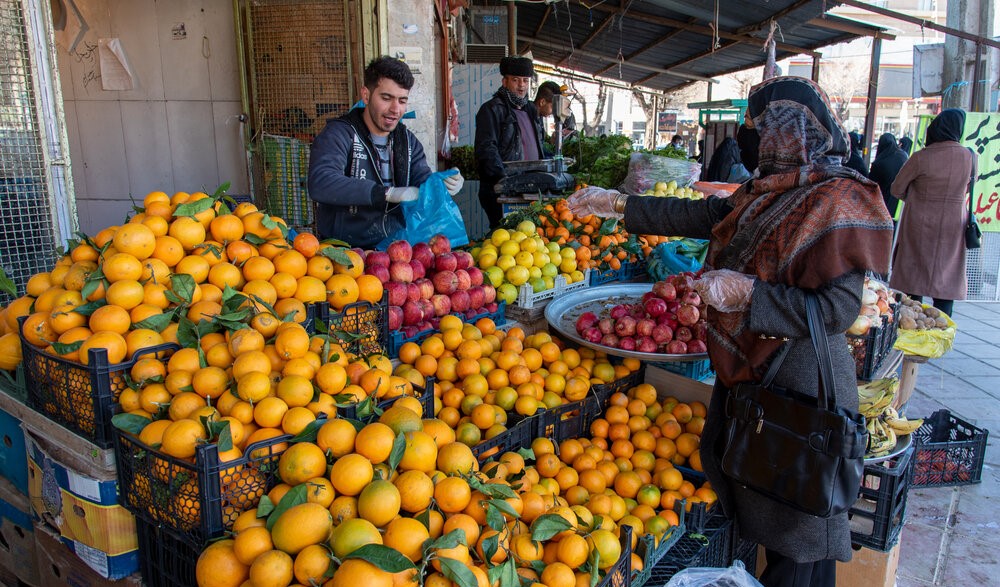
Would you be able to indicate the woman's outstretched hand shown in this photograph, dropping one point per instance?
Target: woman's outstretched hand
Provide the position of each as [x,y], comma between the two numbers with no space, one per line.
[594,200]
[725,290]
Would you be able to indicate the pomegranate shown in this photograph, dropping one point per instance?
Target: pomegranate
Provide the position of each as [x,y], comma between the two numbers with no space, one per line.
[677,347]
[655,307]
[645,326]
[607,326]
[593,334]
[662,333]
[619,311]
[683,334]
[688,315]
[610,340]
[585,321]
[625,326]
[697,346]
[692,298]
[626,343]
[645,344]
[665,291]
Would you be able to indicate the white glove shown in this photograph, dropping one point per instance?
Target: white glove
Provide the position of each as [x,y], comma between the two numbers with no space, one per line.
[454,182]
[397,195]
[725,290]
[594,200]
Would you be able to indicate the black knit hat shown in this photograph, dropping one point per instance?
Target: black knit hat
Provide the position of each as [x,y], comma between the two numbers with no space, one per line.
[517,66]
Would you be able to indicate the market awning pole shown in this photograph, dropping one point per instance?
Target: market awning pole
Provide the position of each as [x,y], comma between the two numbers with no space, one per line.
[872,100]
[512,28]
[815,71]
[928,24]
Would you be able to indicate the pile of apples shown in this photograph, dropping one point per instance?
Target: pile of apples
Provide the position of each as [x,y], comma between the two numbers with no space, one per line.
[669,319]
[426,281]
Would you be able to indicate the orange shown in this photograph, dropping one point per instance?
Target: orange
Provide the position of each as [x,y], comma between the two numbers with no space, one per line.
[352,534]
[137,240]
[251,543]
[452,494]
[223,274]
[300,526]
[291,262]
[218,566]
[420,453]
[558,574]
[240,251]
[306,244]
[310,290]
[210,382]
[379,502]
[342,290]
[188,231]
[269,412]
[336,436]
[320,267]
[370,289]
[120,266]
[181,438]
[354,572]
[195,266]
[112,342]
[301,462]
[292,342]
[415,489]
[687,443]
[313,562]
[356,267]
[226,228]
[374,442]
[351,473]
[253,386]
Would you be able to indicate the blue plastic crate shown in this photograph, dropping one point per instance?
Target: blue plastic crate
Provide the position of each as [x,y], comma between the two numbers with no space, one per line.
[600,277]
[697,370]
[13,456]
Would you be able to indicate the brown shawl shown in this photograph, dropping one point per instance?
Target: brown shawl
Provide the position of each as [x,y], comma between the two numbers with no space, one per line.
[804,222]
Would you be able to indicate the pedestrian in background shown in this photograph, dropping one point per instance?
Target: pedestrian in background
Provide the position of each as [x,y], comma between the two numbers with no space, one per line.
[930,252]
[889,159]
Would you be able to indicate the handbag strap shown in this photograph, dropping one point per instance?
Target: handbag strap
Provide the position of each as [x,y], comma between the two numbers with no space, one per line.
[972,188]
[826,397]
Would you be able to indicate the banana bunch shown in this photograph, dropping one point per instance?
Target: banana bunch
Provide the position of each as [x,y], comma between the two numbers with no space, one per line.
[899,424]
[875,396]
[881,438]
[884,423]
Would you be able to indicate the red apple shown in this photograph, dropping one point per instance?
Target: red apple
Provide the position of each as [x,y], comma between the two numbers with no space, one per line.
[413,313]
[427,308]
[464,281]
[445,262]
[476,297]
[379,271]
[422,252]
[426,287]
[400,251]
[440,244]
[418,269]
[460,301]
[445,282]
[464,259]
[489,295]
[397,291]
[401,271]
[491,307]
[411,331]
[475,275]
[412,292]
[395,317]
[378,258]
[442,304]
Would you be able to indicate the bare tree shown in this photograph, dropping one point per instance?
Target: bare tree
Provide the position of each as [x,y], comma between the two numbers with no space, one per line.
[843,80]
[590,124]
[747,79]
[648,105]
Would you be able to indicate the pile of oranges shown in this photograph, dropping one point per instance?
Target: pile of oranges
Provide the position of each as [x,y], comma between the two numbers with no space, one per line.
[597,246]
[484,373]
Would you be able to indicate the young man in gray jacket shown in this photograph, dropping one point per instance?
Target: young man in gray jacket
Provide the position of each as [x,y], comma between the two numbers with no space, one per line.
[365,163]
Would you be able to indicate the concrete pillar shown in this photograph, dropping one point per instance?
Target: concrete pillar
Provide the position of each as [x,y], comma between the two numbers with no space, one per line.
[976,17]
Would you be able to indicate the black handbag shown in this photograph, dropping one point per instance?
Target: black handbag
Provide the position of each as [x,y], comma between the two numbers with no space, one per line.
[973,236]
[798,450]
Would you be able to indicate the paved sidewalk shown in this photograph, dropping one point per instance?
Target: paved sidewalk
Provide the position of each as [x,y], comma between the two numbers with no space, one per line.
[952,535]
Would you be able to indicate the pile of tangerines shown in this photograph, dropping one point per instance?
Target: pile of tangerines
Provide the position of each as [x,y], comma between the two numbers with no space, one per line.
[351,509]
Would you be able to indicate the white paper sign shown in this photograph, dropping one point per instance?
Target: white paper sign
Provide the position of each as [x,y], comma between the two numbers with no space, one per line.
[115,71]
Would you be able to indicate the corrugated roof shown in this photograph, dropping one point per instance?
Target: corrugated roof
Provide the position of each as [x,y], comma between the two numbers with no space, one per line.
[665,44]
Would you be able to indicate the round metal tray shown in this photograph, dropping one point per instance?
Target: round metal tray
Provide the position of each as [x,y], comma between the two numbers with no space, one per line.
[902,443]
[562,313]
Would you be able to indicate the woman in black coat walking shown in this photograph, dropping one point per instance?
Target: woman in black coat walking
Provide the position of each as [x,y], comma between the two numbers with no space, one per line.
[888,160]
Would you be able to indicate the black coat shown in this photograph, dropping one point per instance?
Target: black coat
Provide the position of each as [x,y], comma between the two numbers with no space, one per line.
[498,139]
[888,161]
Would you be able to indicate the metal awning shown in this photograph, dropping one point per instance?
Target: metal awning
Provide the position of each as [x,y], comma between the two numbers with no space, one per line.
[663,45]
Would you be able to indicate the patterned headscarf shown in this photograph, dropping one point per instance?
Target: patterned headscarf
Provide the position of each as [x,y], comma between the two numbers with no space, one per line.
[805,221]
[513,99]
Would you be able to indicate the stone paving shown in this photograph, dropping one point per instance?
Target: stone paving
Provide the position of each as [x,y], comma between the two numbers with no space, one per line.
[952,535]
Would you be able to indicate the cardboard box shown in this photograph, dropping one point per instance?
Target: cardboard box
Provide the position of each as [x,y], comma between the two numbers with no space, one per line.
[13,458]
[57,565]
[17,539]
[669,384]
[83,506]
[870,568]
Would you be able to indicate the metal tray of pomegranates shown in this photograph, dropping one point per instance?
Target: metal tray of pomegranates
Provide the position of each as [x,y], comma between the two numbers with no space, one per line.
[564,312]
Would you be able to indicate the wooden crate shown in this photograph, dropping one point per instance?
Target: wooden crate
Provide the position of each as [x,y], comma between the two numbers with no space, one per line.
[57,565]
[17,539]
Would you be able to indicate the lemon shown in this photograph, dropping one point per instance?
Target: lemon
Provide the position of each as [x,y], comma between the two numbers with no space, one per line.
[552,247]
[534,272]
[550,270]
[517,237]
[541,258]
[505,262]
[486,260]
[507,293]
[510,248]
[495,275]
[526,226]
[567,265]
[529,245]
[500,236]
[537,284]
[524,259]
[517,275]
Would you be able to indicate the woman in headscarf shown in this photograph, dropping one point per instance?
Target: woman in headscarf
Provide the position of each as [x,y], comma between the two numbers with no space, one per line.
[857,161]
[805,223]
[889,159]
[726,165]
[906,145]
[930,252]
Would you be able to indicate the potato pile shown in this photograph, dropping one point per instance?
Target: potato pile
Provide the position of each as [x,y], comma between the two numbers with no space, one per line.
[915,316]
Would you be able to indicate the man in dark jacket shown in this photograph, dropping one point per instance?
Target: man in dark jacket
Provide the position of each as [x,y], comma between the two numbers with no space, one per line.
[508,128]
[365,163]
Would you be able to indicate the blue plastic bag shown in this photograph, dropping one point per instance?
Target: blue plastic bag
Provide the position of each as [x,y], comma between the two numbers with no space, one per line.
[433,212]
[676,257]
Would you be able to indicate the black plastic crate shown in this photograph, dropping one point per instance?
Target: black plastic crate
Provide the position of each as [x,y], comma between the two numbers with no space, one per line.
[877,517]
[950,451]
[350,412]
[620,574]
[652,553]
[198,500]
[397,339]
[518,435]
[746,552]
[81,398]
[871,349]
[166,559]
[570,420]
[604,391]
[365,324]
[710,548]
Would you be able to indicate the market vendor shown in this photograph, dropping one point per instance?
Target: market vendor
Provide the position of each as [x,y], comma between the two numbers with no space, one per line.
[805,223]
[365,163]
[508,128]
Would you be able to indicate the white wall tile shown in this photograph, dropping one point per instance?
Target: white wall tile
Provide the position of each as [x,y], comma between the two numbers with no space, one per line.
[192,140]
[223,66]
[103,149]
[185,67]
[133,23]
[229,147]
[84,67]
[96,215]
[147,148]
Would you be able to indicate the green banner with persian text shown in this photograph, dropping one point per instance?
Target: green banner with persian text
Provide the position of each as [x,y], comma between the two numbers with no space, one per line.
[982,135]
